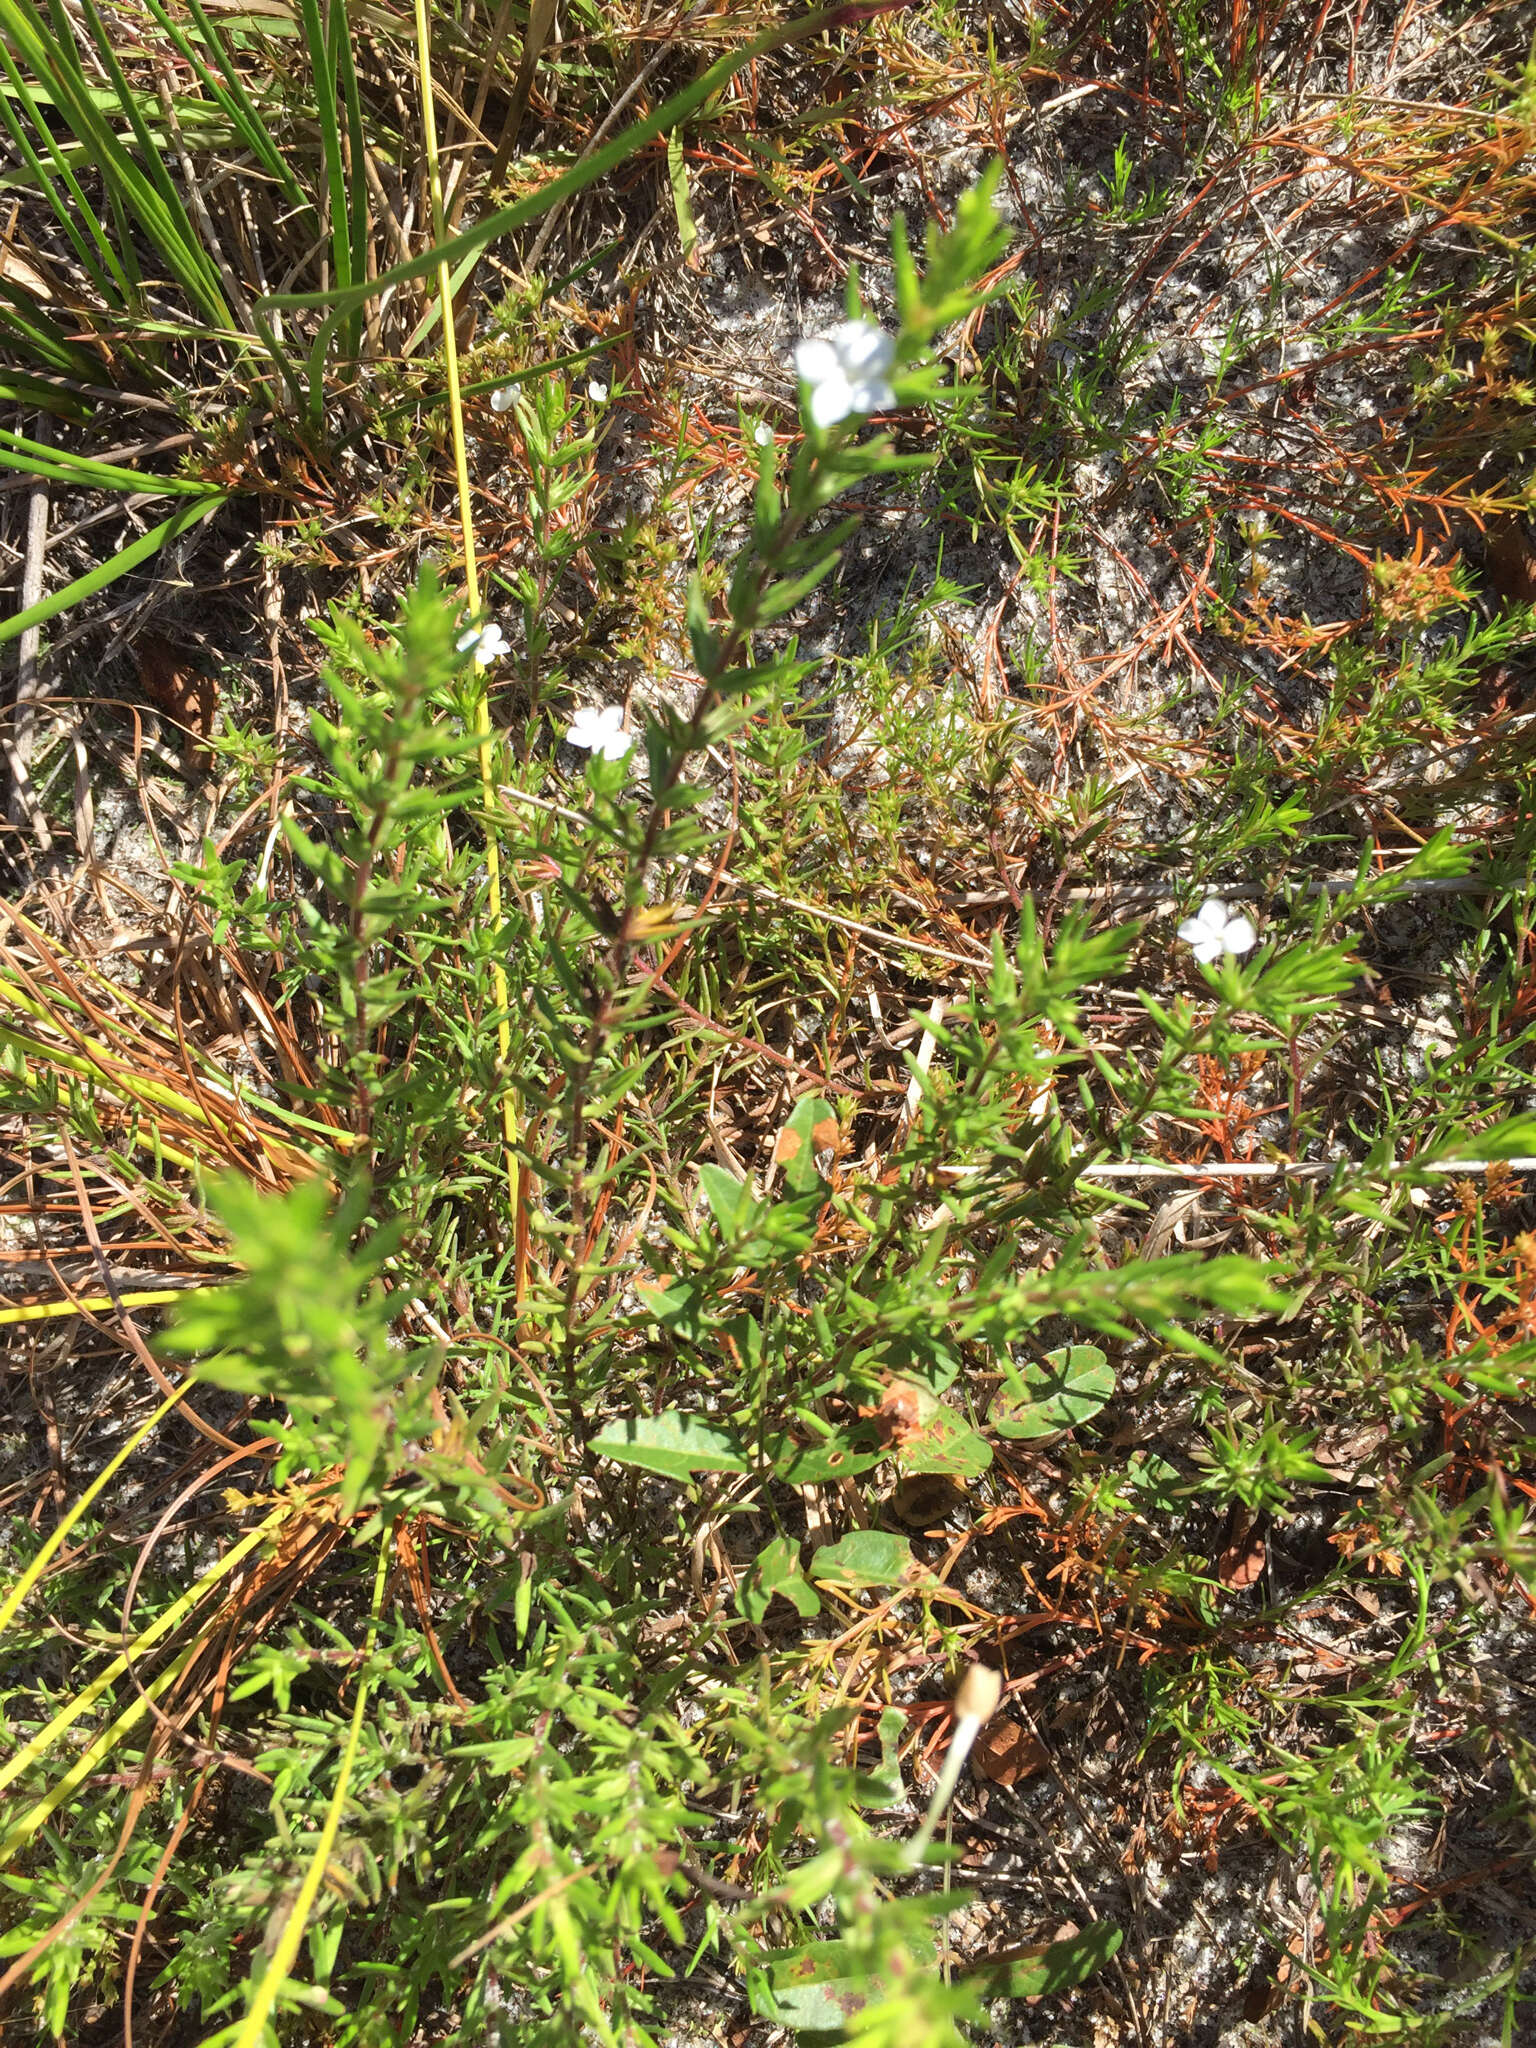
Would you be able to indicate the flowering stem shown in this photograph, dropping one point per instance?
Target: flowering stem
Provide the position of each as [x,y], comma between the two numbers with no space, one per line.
[482,713]
[746,608]
[976,1701]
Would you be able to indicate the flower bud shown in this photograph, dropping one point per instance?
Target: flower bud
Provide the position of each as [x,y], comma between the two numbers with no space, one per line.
[978,1693]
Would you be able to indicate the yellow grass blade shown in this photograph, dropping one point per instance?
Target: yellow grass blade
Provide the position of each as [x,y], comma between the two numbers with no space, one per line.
[40,1563]
[82,1703]
[509,1119]
[17,1836]
[276,1972]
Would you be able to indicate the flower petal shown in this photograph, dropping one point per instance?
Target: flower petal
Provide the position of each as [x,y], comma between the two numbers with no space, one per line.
[831,401]
[863,348]
[816,360]
[871,394]
[1240,936]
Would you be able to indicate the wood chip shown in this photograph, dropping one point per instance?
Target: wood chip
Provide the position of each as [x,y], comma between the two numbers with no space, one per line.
[175,682]
[1510,559]
[1006,1751]
[925,1499]
[1244,1557]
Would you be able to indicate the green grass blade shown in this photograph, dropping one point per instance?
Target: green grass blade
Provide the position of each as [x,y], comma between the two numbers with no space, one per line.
[227,90]
[338,304]
[17,452]
[107,273]
[40,336]
[38,1745]
[108,572]
[21,1832]
[38,394]
[321,65]
[357,189]
[150,154]
[429,322]
[135,194]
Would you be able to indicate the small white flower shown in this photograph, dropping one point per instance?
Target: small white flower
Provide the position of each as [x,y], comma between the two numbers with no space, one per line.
[848,371]
[762,434]
[597,391]
[1215,930]
[488,643]
[504,399]
[601,732]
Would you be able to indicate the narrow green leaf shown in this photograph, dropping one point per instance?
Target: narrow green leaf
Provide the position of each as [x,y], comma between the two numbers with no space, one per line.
[677,178]
[1515,1138]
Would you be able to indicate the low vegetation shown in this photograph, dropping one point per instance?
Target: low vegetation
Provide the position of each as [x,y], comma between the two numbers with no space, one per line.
[766,1020]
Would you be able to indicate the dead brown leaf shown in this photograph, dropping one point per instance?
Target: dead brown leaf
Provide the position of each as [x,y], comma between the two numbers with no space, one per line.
[1170,1224]
[1510,559]
[1345,1448]
[901,1412]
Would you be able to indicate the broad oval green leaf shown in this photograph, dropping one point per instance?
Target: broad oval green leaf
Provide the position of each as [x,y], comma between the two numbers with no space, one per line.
[777,1570]
[942,1441]
[866,1557]
[812,1129]
[815,1464]
[818,1988]
[731,1201]
[1069,1388]
[673,1444]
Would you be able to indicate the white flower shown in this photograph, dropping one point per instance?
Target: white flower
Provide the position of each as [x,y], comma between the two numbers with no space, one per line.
[847,371]
[601,732]
[488,643]
[504,399]
[597,391]
[1215,930]
[762,434]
